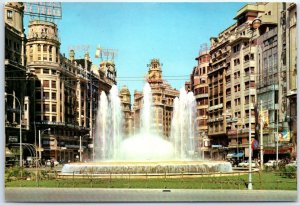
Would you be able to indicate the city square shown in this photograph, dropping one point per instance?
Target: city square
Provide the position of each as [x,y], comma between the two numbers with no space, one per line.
[97,98]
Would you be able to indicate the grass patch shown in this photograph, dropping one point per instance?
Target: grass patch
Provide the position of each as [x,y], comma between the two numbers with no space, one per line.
[263,181]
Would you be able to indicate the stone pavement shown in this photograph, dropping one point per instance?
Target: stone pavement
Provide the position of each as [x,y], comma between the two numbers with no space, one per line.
[144,195]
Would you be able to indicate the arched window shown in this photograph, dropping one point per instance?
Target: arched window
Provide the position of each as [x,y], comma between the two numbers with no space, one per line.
[50,53]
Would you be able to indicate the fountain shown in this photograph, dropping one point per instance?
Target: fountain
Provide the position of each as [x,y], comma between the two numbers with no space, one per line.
[146,151]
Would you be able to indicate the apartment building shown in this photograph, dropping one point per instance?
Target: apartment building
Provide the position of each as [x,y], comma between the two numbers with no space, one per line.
[219,66]
[198,84]
[273,80]
[16,100]
[241,81]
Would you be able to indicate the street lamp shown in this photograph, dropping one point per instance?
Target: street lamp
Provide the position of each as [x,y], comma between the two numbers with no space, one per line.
[40,144]
[20,108]
[253,26]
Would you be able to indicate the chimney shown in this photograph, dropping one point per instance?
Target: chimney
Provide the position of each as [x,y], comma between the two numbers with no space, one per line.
[86,59]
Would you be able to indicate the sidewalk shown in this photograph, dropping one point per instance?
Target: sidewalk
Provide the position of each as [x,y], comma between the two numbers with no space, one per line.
[144,195]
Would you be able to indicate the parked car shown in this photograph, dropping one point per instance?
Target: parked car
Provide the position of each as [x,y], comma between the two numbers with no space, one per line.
[246,164]
[292,164]
[48,163]
[271,163]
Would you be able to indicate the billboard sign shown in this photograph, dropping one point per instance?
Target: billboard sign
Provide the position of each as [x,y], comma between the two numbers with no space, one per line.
[51,10]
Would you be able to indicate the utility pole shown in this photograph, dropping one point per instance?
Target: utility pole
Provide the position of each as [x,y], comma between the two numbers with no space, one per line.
[261,138]
[80,150]
[40,151]
[277,138]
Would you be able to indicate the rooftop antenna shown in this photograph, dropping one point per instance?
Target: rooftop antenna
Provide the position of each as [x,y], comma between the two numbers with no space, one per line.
[203,48]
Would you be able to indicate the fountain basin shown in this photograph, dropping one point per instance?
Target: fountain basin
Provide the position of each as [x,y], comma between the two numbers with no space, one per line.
[150,167]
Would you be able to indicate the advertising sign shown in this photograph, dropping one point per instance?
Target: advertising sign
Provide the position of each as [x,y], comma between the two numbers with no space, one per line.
[284,136]
[264,116]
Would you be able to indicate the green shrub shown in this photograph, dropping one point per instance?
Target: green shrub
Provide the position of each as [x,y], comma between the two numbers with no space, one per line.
[289,171]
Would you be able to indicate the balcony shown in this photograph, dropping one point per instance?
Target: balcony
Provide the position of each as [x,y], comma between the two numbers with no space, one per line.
[228,84]
[237,81]
[249,63]
[252,91]
[43,35]
[237,37]
[250,77]
[228,97]
[203,95]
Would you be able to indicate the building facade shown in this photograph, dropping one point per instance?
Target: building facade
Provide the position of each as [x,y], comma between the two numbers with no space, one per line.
[66,95]
[127,113]
[260,72]
[219,66]
[198,84]
[16,99]
[163,96]
[289,32]
[241,81]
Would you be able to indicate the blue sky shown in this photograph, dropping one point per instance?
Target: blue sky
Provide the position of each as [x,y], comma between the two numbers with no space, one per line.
[172,32]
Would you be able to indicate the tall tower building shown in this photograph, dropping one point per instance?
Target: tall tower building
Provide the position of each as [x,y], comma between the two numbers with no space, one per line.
[163,96]
[199,86]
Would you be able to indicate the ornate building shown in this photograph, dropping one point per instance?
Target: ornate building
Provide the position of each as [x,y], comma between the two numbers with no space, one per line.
[65,94]
[16,99]
[163,96]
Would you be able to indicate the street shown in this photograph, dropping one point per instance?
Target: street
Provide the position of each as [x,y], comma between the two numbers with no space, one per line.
[143,195]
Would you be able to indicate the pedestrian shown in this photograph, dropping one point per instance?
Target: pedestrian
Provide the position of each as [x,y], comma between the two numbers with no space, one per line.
[52,163]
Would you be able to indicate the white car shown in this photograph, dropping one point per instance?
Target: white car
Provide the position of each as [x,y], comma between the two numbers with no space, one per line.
[246,164]
[292,164]
[271,163]
[48,163]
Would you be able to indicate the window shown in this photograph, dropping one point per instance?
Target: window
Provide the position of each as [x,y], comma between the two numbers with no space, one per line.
[50,53]
[46,107]
[53,84]
[38,107]
[46,118]
[53,96]
[9,14]
[39,47]
[46,71]
[46,83]
[53,107]
[53,118]
[46,95]
[38,95]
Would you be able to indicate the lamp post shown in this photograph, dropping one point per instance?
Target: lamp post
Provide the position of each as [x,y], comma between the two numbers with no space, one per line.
[40,144]
[20,108]
[253,26]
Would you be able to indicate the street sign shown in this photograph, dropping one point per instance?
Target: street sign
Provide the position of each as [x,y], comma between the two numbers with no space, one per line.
[80,150]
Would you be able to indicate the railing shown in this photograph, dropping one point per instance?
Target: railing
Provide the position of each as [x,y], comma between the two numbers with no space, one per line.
[236,180]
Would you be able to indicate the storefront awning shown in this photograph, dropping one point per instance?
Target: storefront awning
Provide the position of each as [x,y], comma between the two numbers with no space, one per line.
[238,154]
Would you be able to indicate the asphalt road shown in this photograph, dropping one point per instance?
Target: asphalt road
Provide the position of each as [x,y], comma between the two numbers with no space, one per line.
[143,195]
